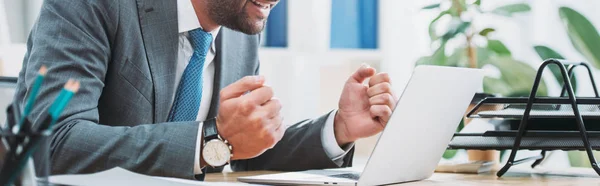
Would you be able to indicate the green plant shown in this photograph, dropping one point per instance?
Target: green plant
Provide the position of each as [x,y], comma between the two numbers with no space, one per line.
[585,40]
[583,36]
[516,77]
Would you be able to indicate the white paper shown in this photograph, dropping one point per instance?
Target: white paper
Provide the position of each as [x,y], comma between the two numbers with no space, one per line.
[478,126]
[120,176]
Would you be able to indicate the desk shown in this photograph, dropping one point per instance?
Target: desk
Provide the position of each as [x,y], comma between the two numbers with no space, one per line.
[443,179]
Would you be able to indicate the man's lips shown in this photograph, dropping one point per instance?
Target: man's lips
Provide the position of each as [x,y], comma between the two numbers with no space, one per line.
[264,4]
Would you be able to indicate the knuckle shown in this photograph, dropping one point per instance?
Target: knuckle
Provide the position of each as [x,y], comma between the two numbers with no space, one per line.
[276,102]
[268,90]
[263,121]
[387,111]
[377,109]
[385,76]
[222,94]
[256,126]
[247,79]
[386,87]
[388,98]
[257,121]
[247,106]
[270,138]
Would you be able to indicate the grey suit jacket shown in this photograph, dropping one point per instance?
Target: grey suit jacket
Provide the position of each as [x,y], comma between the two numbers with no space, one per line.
[124,53]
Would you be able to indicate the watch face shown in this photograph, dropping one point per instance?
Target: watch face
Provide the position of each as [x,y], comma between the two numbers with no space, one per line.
[216,153]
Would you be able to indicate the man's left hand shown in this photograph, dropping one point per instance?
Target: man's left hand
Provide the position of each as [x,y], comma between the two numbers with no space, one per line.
[364,110]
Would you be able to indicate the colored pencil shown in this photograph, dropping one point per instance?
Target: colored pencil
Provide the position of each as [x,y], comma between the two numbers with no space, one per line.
[35,88]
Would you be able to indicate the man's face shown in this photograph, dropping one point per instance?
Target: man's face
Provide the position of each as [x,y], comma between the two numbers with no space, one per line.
[248,16]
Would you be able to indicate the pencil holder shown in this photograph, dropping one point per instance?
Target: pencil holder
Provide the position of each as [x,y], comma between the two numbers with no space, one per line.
[24,158]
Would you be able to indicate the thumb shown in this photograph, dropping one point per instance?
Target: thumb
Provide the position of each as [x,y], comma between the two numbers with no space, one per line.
[365,71]
[242,86]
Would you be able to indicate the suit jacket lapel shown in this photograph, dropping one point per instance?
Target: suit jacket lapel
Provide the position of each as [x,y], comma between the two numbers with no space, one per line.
[219,54]
[225,65]
[158,22]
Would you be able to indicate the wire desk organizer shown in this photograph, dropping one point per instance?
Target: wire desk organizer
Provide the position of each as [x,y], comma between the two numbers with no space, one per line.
[566,122]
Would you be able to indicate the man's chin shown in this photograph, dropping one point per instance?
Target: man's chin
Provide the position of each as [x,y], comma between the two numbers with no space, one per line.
[253,28]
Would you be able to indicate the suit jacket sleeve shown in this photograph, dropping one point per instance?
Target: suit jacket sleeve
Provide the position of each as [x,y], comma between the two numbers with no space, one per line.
[300,149]
[72,38]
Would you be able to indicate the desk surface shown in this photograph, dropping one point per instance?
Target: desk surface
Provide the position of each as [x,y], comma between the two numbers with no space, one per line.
[439,179]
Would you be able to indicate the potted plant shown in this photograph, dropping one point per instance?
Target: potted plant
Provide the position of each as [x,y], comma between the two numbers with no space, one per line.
[477,48]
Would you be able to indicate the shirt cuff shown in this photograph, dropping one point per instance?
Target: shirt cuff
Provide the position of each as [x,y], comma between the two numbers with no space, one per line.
[332,149]
[197,166]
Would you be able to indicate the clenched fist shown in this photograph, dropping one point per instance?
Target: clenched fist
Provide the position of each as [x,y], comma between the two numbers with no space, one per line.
[364,110]
[249,117]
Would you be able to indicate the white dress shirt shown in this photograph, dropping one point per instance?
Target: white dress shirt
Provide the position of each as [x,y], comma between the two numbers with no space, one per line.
[187,20]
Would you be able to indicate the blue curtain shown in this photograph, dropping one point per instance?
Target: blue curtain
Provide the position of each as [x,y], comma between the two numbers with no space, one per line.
[276,29]
[354,24]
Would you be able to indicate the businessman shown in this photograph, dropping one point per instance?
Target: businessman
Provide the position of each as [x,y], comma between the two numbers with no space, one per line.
[171,88]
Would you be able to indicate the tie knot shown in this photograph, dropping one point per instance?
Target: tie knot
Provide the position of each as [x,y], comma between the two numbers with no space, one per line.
[200,40]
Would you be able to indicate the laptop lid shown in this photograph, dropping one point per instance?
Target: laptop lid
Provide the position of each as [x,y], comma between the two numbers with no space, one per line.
[422,124]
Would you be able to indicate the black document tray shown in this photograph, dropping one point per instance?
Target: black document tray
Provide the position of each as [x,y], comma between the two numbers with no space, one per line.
[532,140]
[515,111]
[566,122]
[543,116]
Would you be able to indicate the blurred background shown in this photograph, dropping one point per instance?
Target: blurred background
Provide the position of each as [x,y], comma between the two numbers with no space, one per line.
[311,47]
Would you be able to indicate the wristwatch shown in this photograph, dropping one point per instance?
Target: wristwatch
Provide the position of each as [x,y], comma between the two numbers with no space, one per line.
[216,151]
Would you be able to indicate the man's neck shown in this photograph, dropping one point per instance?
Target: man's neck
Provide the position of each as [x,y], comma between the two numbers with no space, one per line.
[200,6]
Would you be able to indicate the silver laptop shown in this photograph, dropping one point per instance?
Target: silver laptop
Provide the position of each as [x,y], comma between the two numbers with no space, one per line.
[411,145]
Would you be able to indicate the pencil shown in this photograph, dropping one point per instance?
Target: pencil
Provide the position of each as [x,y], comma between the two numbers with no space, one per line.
[35,88]
[71,87]
[19,120]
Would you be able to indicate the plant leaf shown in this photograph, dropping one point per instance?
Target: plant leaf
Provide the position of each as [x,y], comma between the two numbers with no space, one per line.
[460,58]
[516,78]
[478,3]
[449,154]
[498,47]
[432,32]
[546,53]
[583,34]
[431,6]
[456,29]
[438,58]
[425,60]
[486,32]
[509,10]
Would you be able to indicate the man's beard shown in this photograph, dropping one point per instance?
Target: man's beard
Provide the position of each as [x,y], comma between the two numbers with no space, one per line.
[228,13]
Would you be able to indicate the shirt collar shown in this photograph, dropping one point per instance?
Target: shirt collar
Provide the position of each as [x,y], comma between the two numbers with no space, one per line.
[187,19]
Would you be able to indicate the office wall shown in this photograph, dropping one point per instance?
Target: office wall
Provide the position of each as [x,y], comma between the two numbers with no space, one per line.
[21,15]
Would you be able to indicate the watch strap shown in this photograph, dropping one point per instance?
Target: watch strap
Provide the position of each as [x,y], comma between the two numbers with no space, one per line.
[209,130]
[200,177]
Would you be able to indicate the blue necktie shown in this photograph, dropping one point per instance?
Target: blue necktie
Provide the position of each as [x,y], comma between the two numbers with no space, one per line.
[189,92]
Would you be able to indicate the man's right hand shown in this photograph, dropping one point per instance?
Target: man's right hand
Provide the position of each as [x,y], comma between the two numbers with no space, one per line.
[249,117]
